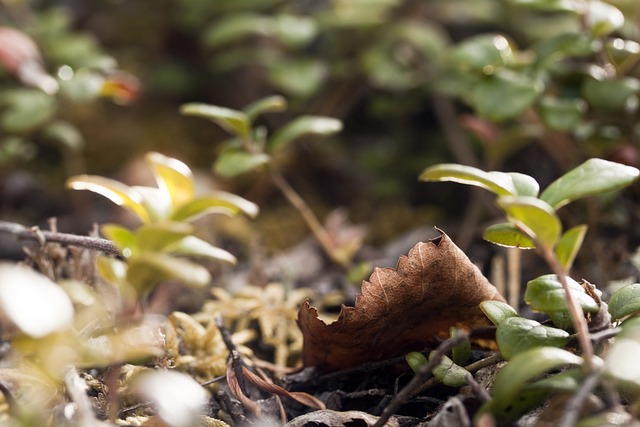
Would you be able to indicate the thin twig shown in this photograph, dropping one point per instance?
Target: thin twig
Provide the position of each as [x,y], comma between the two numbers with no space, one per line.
[574,405]
[423,374]
[34,233]
[482,394]
[309,218]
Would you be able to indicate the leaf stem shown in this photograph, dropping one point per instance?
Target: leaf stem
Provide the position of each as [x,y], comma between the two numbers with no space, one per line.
[579,322]
[319,232]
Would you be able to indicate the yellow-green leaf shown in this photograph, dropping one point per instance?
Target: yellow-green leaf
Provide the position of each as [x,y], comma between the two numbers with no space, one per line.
[117,192]
[219,202]
[497,182]
[533,216]
[173,177]
[233,121]
[569,245]
[508,235]
[193,246]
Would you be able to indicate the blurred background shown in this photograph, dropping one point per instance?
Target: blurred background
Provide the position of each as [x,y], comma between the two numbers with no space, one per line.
[533,86]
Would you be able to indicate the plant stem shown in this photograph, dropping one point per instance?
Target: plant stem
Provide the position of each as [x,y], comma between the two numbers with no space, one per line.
[579,322]
[309,217]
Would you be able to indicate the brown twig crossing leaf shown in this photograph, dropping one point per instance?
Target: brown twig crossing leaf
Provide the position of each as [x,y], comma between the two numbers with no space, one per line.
[400,310]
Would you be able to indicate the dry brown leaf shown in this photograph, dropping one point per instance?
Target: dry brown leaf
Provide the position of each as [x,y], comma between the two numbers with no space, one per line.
[400,310]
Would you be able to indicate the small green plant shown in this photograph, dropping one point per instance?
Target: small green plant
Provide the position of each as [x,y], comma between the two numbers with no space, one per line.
[156,251]
[531,347]
[252,148]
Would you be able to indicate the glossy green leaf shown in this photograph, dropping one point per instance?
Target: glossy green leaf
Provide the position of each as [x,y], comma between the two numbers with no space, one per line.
[621,363]
[270,104]
[625,301]
[124,239]
[416,360]
[533,216]
[525,366]
[233,121]
[566,45]
[484,53]
[218,202]
[516,334]
[612,95]
[147,270]
[562,114]
[156,202]
[591,178]
[233,162]
[460,352]
[603,18]
[508,235]
[303,126]
[505,95]
[173,177]
[157,236]
[524,185]
[194,246]
[113,190]
[546,294]
[449,373]
[569,245]
[497,182]
[497,311]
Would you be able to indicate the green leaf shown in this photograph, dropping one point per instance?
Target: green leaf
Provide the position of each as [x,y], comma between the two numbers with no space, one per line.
[194,246]
[625,301]
[484,53]
[525,366]
[566,45]
[505,95]
[233,121]
[525,185]
[299,77]
[611,95]
[218,202]
[497,311]
[533,216]
[561,114]
[235,27]
[270,104]
[546,294]
[233,162]
[415,360]
[157,236]
[569,245]
[302,126]
[294,30]
[621,363]
[156,202]
[592,178]
[547,5]
[25,110]
[461,352]
[173,177]
[65,134]
[516,334]
[147,270]
[603,18]
[113,190]
[124,239]
[508,235]
[449,373]
[496,182]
